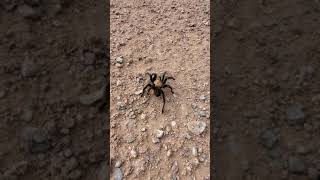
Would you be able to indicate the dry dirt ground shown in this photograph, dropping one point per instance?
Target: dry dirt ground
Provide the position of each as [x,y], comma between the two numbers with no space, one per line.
[157,36]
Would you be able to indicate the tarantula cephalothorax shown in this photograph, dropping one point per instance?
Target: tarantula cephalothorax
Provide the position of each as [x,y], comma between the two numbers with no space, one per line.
[157,83]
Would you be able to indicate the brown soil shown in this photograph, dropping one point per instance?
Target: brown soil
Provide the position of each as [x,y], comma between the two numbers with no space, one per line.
[45,132]
[158,36]
[265,61]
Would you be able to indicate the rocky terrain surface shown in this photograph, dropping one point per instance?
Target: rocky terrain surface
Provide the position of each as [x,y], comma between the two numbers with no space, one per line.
[155,37]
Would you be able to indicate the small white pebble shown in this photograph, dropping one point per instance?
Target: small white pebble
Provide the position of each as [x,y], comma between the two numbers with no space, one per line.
[118,83]
[155,140]
[118,164]
[143,116]
[133,153]
[138,92]
[159,133]
[194,151]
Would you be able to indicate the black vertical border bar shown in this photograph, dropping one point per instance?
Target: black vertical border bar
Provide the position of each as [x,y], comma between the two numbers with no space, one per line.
[213,110]
[107,5]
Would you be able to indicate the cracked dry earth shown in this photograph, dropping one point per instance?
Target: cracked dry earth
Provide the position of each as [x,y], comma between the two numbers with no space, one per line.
[157,36]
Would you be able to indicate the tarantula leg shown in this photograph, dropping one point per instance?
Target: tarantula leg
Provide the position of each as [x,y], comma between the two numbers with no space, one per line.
[164,100]
[163,76]
[149,90]
[168,86]
[165,80]
[148,85]
[153,77]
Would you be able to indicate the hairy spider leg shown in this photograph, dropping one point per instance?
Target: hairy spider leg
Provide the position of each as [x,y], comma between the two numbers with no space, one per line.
[165,80]
[153,77]
[163,76]
[166,85]
[149,90]
[148,85]
[164,100]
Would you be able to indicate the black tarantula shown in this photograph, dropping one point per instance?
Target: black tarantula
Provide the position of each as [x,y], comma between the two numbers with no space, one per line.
[157,84]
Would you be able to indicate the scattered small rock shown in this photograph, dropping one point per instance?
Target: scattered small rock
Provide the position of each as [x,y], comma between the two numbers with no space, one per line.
[296,165]
[121,106]
[269,138]
[36,140]
[155,140]
[173,123]
[186,136]
[168,129]
[118,174]
[202,114]
[295,114]
[143,116]
[119,60]
[138,92]
[175,168]
[159,133]
[118,164]
[118,83]
[203,98]
[129,138]
[196,127]
[133,153]
[194,151]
